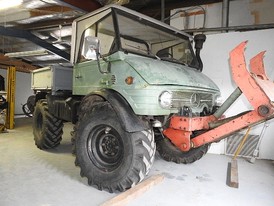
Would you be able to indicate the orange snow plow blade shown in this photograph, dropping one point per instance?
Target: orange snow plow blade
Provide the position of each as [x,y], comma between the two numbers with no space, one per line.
[257,88]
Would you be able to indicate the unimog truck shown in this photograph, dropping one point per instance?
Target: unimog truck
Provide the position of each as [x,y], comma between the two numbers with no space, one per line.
[136,85]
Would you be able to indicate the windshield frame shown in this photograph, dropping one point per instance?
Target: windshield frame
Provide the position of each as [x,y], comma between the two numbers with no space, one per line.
[118,45]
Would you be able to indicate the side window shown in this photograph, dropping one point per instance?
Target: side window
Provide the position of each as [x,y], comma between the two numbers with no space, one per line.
[182,53]
[106,41]
[104,31]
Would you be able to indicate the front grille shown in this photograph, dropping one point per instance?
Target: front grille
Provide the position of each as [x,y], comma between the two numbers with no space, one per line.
[191,99]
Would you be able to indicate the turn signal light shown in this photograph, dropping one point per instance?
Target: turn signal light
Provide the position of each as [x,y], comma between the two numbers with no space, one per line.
[129,80]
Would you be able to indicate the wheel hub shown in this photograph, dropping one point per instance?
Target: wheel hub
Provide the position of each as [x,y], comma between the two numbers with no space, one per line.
[105,147]
[109,145]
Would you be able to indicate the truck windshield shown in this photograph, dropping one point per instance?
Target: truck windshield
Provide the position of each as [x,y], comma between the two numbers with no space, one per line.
[142,37]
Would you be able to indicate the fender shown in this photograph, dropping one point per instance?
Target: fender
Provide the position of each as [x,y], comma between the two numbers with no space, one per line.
[130,121]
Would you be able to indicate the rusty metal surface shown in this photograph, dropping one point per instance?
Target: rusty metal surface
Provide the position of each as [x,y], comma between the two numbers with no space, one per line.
[260,76]
[257,66]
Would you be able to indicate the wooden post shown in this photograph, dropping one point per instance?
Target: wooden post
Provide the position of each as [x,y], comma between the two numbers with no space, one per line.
[232,174]
[233,180]
[11,97]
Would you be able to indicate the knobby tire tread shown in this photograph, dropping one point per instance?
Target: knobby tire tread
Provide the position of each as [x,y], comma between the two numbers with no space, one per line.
[171,153]
[51,133]
[143,155]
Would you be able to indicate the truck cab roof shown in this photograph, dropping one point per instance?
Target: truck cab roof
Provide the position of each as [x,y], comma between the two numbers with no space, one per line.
[80,25]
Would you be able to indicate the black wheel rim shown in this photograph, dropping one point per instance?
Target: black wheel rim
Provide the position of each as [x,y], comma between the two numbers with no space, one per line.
[105,147]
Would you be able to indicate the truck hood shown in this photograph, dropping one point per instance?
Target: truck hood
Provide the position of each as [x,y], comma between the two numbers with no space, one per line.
[159,72]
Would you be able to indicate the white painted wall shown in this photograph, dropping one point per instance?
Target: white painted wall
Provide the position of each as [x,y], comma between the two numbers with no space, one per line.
[241,12]
[213,17]
[215,55]
[23,89]
[217,47]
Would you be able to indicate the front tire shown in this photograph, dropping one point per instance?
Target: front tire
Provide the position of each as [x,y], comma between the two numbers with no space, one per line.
[47,129]
[111,158]
[171,153]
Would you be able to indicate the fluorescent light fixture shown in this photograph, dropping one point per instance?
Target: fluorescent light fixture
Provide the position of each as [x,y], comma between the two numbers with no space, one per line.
[59,46]
[27,53]
[9,3]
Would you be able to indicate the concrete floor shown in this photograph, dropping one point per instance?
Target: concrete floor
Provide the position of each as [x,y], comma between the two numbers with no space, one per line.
[31,177]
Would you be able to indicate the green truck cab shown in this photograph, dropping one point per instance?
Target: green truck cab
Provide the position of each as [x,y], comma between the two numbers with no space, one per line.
[131,74]
[159,59]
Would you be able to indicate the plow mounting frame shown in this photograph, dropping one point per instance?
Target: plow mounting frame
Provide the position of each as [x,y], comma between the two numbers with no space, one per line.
[256,87]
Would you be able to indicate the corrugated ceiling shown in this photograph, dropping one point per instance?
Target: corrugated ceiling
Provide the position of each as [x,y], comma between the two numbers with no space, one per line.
[46,24]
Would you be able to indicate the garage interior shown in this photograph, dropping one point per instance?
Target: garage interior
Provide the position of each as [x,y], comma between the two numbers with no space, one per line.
[37,33]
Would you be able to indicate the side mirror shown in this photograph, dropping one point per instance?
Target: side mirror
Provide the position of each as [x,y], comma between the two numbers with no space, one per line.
[91,48]
[92,51]
[199,41]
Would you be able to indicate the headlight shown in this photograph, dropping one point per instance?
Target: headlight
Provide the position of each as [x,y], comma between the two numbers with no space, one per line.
[219,101]
[165,99]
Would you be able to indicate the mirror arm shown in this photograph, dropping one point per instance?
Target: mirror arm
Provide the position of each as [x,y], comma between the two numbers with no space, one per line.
[98,55]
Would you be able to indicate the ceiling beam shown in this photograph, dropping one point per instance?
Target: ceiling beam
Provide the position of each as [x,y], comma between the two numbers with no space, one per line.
[12,32]
[50,10]
[49,62]
[26,14]
[45,25]
[20,65]
[84,6]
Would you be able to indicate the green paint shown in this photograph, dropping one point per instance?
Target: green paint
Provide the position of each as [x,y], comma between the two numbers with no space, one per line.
[136,55]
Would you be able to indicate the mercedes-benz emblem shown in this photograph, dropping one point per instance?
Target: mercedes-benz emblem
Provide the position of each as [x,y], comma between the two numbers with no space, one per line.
[195,99]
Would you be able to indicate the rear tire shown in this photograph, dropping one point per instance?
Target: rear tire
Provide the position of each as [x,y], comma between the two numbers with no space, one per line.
[28,108]
[111,158]
[47,129]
